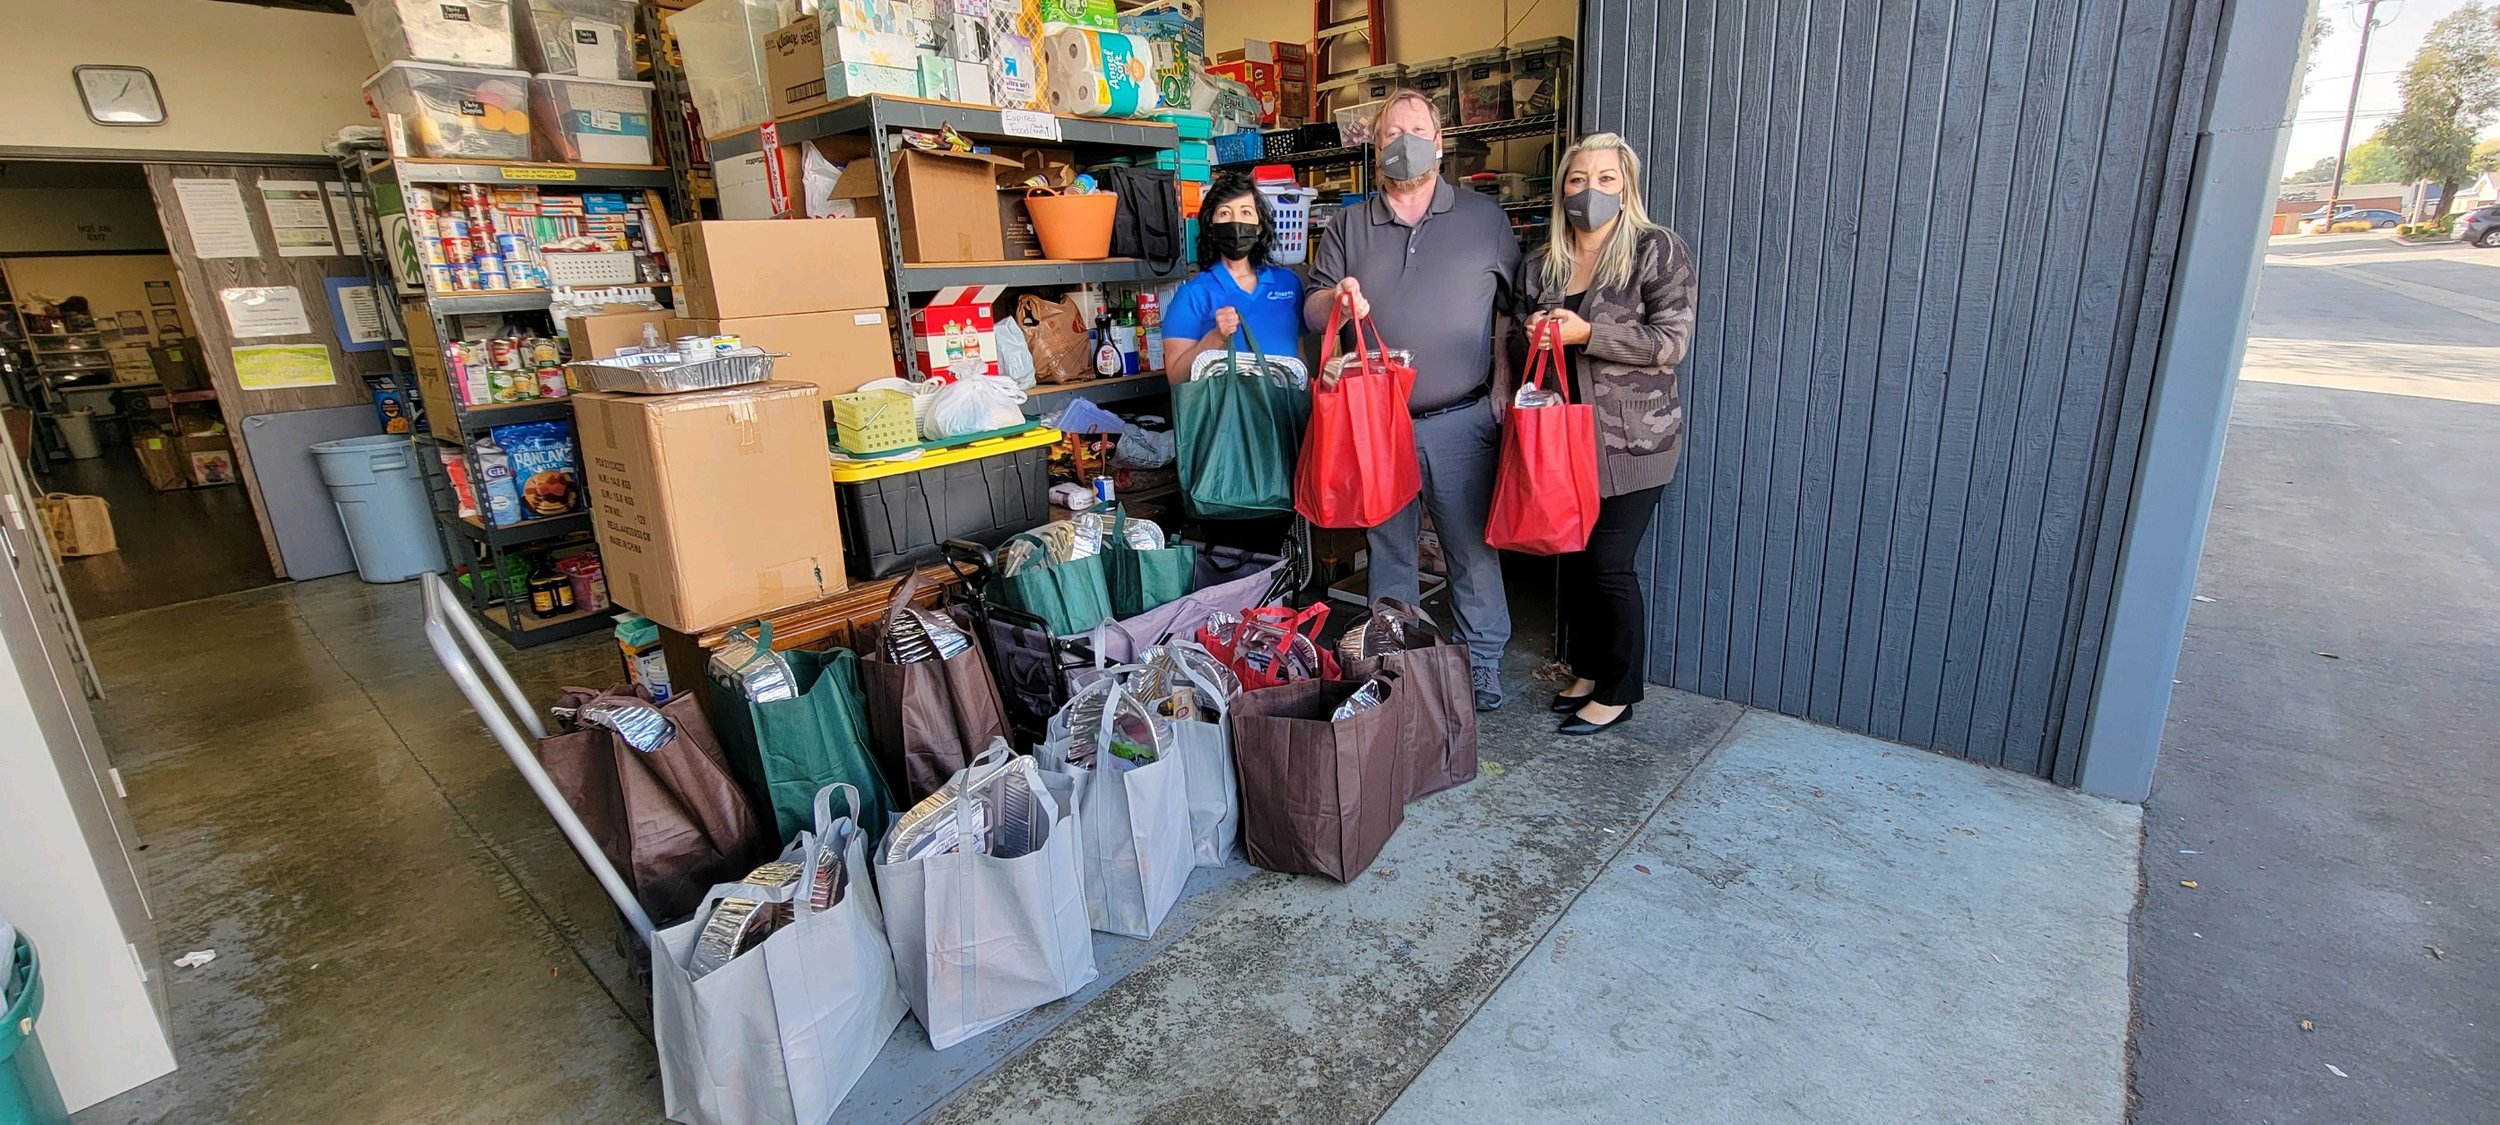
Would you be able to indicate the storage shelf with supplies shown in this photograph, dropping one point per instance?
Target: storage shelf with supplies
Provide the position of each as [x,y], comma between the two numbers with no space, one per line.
[421,170]
[858,115]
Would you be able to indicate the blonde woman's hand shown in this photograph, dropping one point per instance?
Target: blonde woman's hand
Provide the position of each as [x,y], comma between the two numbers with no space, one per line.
[1575,331]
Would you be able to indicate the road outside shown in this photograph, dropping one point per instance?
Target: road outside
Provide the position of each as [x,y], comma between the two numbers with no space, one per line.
[2320,938]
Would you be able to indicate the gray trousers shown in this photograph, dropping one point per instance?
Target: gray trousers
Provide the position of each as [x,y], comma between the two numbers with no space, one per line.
[1459,452]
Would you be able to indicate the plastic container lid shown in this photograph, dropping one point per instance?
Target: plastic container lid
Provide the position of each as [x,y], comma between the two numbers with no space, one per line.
[849,471]
[452,69]
[1471,58]
[1540,46]
[598,81]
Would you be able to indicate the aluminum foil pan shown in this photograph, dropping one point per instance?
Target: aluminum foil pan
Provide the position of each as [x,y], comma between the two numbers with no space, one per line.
[640,724]
[755,672]
[833,874]
[1096,527]
[1003,808]
[1266,646]
[736,369]
[740,924]
[919,635]
[1170,668]
[1387,630]
[1396,357]
[1373,693]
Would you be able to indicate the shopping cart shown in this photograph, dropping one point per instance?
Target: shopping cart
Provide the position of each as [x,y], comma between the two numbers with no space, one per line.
[1037,670]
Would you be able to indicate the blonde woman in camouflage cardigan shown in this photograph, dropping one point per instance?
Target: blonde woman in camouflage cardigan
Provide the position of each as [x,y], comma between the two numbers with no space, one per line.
[1622,290]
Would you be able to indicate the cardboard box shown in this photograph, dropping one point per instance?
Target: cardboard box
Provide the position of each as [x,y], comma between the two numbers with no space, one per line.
[161,461]
[794,68]
[210,458]
[837,351]
[1015,228]
[776,266]
[957,334]
[602,336]
[949,204]
[425,357]
[712,508]
[1260,77]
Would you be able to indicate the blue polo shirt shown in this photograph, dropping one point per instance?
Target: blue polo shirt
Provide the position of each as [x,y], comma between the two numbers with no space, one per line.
[1272,313]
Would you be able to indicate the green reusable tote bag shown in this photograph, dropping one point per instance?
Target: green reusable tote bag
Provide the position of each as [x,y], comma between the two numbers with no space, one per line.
[1070,597]
[1144,581]
[1239,429]
[788,749]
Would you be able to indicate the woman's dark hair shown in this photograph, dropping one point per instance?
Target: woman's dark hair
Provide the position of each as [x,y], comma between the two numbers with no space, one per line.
[1228,187]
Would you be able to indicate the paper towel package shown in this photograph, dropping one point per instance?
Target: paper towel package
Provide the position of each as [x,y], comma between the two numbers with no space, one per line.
[1093,73]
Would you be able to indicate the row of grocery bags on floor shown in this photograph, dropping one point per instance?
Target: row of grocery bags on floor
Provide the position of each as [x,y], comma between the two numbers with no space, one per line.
[977,902]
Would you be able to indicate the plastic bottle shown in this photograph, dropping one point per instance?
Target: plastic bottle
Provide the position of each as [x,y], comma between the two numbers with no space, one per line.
[1150,331]
[1124,337]
[1106,352]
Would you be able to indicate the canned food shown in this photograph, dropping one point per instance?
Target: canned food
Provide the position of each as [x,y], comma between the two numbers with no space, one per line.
[693,349]
[457,249]
[551,383]
[514,247]
[502,355]
[464,276]
[453,225]
[544,352]
[438,277]
[1104,491]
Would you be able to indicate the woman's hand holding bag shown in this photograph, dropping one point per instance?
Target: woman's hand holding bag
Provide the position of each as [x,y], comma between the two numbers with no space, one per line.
[1545,494]
[1358,465]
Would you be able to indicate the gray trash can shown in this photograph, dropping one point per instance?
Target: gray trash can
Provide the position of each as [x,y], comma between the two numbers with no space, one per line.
[381,500]
[78,432]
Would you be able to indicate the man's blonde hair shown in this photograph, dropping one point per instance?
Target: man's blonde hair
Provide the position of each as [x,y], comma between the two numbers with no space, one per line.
[1401,95]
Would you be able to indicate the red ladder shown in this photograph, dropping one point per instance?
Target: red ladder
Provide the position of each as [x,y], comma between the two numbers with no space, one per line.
[1330,33]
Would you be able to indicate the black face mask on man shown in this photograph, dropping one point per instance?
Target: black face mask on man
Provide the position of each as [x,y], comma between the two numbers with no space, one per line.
[1408,157]
[1589,208]
[1235,240]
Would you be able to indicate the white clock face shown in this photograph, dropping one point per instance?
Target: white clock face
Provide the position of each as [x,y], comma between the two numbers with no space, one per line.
[120,95]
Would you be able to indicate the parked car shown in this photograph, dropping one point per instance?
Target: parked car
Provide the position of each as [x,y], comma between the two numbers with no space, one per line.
[2479,227]
[2378,217]
[2342,211]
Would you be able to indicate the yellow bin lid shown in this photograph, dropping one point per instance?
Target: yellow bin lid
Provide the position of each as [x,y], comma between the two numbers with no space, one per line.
[849,471]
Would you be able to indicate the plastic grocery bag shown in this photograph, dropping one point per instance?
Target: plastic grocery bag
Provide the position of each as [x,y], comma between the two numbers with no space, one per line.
[782,1031]
[1015,357]
[980,939]
[818,175]
[1545,495]
[977,404]
[1134,814]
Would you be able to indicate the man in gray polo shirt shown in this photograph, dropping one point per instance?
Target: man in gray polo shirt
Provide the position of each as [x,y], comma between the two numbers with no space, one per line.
[1432,265]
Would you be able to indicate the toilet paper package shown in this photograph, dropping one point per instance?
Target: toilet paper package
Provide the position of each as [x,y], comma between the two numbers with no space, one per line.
[1093,73]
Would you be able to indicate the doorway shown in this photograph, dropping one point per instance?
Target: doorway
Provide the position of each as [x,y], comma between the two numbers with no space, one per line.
[107,394]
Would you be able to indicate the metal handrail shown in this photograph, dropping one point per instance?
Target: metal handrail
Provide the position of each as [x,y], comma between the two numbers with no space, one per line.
[445,620]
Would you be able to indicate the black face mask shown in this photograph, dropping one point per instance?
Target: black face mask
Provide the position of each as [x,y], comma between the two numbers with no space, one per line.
[1234,240]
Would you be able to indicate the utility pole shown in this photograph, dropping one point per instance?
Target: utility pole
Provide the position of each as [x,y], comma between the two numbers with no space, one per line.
[2352,109]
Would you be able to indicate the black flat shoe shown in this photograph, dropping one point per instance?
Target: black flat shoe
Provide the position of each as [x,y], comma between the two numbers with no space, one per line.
[1566,704]
[1579,726]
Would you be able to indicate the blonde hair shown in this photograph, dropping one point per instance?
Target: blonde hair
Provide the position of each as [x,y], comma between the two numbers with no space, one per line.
[1614,258]
[1399,96]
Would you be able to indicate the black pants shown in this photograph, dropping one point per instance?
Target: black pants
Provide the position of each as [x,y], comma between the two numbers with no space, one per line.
[1605,622]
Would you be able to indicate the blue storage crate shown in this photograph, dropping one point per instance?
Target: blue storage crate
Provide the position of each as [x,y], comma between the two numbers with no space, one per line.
[1192,125]
[1236,148]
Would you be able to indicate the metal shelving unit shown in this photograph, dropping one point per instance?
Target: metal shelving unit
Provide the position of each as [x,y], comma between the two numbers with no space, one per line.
[483,550]
[1521,128]
[681,142]
[1101,392]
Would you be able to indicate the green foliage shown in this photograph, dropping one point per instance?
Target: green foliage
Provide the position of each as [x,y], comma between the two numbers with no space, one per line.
[2486,158]
[2451,91]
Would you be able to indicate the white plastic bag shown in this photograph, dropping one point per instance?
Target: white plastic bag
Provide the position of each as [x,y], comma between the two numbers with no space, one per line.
[971,406]
[1141,448]
[1015,357]
[817,176]
[783,1031]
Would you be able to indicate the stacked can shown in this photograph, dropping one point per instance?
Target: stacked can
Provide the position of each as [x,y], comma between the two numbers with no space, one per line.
[426,231]
[485,250]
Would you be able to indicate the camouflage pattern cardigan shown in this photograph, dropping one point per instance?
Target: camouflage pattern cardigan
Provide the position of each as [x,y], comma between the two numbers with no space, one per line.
[1638,333]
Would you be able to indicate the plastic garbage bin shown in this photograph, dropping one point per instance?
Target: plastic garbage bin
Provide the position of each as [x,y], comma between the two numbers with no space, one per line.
[78,432]
[28,1096]
[373,481]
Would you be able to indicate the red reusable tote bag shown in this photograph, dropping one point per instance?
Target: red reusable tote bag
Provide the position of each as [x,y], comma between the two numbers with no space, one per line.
[1358,463]
[1545,493]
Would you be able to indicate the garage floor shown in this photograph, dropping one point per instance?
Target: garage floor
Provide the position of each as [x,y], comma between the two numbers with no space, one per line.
[1711,909]
[175,546]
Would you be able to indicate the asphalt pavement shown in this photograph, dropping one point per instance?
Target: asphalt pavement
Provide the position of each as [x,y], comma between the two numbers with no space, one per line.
[2320,938]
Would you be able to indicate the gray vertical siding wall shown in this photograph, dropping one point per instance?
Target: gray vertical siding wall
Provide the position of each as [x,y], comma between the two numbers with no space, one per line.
[1935,240]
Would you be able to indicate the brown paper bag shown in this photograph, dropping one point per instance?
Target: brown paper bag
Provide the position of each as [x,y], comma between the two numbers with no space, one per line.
[1063,350]
[1317,797]
[930,718]
[1436,704]
[672,820]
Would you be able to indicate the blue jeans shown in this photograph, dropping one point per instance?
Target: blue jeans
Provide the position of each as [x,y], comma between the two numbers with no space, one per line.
[1459,452]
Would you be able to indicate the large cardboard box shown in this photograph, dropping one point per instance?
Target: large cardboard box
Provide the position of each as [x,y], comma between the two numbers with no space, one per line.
[794,68]
[772,267]
[715,507]
[425,357]
[600,337]
[837,351]
[949,203]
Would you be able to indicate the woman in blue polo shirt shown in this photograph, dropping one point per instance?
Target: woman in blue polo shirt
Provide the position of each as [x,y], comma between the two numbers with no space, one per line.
[1238,288]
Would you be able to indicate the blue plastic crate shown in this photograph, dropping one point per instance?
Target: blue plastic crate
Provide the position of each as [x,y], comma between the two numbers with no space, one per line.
[1192,125]
[1235,148]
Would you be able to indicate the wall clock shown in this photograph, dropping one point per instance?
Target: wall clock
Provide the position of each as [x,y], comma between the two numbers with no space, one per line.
[120,95]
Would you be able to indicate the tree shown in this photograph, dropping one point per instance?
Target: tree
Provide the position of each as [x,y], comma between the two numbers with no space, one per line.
[2486,158]
[2317,173]
[2367,163]
[2451,91]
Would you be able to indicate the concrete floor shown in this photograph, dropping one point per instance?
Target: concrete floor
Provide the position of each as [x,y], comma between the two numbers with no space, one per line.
[2327,779]
[402,936]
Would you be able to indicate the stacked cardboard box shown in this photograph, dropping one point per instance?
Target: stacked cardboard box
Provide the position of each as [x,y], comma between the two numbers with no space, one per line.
[812,289]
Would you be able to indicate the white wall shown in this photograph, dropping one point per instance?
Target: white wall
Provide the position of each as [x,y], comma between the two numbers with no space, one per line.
[235,77]
[55,220]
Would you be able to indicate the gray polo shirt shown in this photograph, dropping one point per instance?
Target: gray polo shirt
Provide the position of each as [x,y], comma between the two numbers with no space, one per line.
[1433,286]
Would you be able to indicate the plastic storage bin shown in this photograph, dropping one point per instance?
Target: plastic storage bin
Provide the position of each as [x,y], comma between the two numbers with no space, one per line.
[722,45]
[1484,87]
[1438,80]
[1540,76]
[457,111]
[1291,208]
[578,38]
[28,1094]
[874,421]
[591,120]
[460,32]
[896,513]
[381,500]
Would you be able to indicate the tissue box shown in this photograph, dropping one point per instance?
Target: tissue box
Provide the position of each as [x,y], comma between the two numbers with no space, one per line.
[852,80]
[937,78]
[843,45]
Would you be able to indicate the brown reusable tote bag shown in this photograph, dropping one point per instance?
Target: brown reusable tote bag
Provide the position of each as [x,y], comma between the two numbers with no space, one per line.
[1318,796]
[673,820]
[1437,749]
[929,718]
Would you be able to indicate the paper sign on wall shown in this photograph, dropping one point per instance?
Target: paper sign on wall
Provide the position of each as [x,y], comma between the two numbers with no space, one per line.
[220,227]
[343,213]
[275,367]
[297,218]
[357,310]
[269,310]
